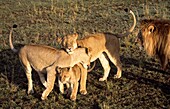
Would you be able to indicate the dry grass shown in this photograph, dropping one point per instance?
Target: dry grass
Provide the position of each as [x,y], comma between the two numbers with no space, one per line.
[143,84]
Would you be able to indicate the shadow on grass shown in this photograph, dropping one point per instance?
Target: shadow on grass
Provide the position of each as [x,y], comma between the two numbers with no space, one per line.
[9,64]
[145,65]
[12,71]
[164,86]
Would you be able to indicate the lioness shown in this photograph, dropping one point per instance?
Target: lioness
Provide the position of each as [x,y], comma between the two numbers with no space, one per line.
[104,46]
[45,59]
[71,77]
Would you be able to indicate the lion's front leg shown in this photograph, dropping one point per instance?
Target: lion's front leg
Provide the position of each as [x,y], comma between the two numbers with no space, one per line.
[51,75]
[74,91]
[61,85]
[83,79]
[69,89]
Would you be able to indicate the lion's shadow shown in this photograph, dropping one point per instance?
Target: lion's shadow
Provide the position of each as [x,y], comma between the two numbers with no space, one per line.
[165,87]
[9,65]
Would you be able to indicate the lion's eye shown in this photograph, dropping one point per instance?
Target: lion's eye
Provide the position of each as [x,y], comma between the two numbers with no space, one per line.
[65,76]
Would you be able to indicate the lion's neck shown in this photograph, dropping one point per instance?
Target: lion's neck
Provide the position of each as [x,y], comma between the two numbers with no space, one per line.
[75,58]
[80,43]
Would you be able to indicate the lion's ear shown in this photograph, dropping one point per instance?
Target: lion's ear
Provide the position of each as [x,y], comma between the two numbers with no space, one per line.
[59,39]
[58,70]
[151,29]
[75,35]
[70,68]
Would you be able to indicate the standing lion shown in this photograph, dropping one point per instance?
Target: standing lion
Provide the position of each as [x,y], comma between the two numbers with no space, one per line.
[154,36]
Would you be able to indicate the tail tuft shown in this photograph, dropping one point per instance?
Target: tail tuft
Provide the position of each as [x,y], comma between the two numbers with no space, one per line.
[126,10]
[14,26]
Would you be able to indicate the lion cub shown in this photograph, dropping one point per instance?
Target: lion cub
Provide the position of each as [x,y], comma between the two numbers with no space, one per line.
[70,77]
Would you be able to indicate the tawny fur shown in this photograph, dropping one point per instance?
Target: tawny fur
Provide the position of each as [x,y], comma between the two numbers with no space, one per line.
[71,77]
[154,36]
[104,46]
[45,59]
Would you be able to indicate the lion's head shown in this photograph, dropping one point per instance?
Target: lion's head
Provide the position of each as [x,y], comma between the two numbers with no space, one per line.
[64,74]
[69,42]
[147,36]
[154,36]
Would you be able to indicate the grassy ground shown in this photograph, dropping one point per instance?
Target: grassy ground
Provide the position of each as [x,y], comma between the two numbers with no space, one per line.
[143,84]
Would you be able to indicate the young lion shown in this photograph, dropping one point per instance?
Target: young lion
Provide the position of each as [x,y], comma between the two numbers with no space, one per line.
[45,59]
[75,73]
[104,46]
[70,77]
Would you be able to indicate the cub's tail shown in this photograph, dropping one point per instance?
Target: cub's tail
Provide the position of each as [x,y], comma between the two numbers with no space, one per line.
[10,39]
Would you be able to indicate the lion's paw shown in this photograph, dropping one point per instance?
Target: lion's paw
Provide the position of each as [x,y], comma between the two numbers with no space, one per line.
[43,98]
[117,76]
[83,92]
[102,79]
[73,98]
[30,91]
[62,90]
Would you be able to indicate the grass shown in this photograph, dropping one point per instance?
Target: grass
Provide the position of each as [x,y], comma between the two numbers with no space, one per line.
[143,84]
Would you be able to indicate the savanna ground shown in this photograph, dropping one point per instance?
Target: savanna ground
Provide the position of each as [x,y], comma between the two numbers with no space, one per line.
[143,84]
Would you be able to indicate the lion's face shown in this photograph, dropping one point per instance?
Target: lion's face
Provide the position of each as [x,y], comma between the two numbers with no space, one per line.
[69,42]
[145,39]
[65,75]
[139,40]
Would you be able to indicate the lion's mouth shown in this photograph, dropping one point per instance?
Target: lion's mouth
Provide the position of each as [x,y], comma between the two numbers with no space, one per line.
[69,50]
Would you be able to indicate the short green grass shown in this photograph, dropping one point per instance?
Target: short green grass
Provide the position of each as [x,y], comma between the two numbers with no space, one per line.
[143,84]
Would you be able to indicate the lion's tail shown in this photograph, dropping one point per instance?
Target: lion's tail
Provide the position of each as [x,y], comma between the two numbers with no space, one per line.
[94,64]
[131,29]
[10,39]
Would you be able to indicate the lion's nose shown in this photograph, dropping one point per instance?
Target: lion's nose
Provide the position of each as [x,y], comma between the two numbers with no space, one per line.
[69,49]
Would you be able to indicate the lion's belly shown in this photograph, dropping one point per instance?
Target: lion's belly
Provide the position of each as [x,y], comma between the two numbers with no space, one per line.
[95,55]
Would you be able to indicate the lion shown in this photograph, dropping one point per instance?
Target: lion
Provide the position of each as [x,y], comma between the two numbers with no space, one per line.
[46,59]
[104,46]
[71,76]
[154,37]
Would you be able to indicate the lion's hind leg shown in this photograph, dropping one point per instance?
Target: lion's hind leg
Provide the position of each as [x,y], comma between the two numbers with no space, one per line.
[28,70]
[42,79]
[115,59]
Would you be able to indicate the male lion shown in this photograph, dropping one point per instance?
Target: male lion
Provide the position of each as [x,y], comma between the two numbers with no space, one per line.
[45,59]
[154,36]
[104,46]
